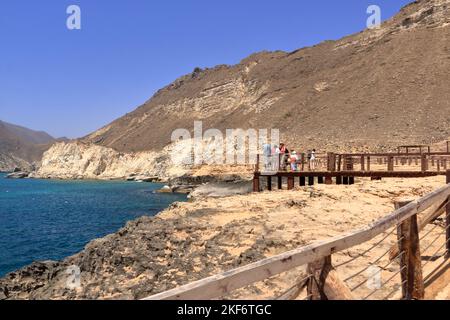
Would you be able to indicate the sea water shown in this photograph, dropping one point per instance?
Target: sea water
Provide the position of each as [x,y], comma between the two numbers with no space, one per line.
[51,219]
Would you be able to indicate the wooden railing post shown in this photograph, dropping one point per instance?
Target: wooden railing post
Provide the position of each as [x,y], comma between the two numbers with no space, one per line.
[290,182]
[324,283]
[390,163]
[280,158]
[258,158]
[363,167]
[423,162]
[303,161]
[368,163]
[256,182]
[331,161]
[410,258]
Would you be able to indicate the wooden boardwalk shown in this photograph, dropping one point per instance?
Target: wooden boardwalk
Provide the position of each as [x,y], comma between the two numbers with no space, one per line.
[342,169]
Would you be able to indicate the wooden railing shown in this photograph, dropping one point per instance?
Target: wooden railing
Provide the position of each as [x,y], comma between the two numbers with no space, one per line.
[322,281]
[390,162]
[343,168]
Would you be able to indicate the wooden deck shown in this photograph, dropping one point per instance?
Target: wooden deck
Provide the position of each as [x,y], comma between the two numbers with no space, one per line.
[342,169]
[328,177]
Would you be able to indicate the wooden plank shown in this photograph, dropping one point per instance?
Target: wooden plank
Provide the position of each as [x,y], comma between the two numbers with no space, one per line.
[368,174]
[394,154]
[256,183]
[280,182]
[318,270]
[335,288]
[390,163]
[224,283]
[410,260]
[302,181]
[423,162]
[324,283]
[290,183]
[333,162]
[269,183]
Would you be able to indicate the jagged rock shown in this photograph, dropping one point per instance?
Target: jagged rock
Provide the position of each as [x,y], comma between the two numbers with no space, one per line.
[18,175]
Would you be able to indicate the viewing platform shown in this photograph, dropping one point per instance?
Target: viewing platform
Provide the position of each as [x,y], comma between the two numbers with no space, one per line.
[342,169]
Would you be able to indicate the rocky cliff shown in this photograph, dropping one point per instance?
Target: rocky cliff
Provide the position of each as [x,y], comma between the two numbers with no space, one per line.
[77,160]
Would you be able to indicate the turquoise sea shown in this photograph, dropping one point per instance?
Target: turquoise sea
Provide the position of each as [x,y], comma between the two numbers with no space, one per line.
[52,219]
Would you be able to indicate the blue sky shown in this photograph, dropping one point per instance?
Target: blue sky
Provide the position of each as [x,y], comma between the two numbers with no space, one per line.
[72,82]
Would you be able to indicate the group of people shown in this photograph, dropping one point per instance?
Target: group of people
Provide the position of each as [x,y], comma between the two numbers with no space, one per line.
[279,157]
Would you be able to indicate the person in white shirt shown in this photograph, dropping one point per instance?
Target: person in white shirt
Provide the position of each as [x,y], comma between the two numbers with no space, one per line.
[312,160]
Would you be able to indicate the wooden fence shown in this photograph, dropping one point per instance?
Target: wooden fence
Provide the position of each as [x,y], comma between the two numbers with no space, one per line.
[433,161]
[343,168]
[322,281]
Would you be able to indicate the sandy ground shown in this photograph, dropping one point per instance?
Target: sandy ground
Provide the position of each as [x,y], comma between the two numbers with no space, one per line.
[299,217]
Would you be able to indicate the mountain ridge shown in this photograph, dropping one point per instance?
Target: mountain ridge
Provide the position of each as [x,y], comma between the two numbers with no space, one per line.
[353,93]
[21,147]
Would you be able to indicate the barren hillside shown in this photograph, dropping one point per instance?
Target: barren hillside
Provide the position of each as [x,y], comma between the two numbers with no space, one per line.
[374,89]
[20,147]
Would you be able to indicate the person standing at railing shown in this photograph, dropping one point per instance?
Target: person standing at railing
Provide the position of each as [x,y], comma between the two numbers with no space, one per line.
[276,158]
[293,159]
[267,153]
[284,156]
[312,160]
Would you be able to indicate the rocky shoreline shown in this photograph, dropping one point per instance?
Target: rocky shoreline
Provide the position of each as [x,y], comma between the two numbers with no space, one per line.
[192,240]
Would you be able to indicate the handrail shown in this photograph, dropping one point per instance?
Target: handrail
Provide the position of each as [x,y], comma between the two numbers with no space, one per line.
[221,284]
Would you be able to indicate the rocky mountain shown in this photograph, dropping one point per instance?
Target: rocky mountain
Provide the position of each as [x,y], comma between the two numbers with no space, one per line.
[375,89]
[370,91]
[21,147]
